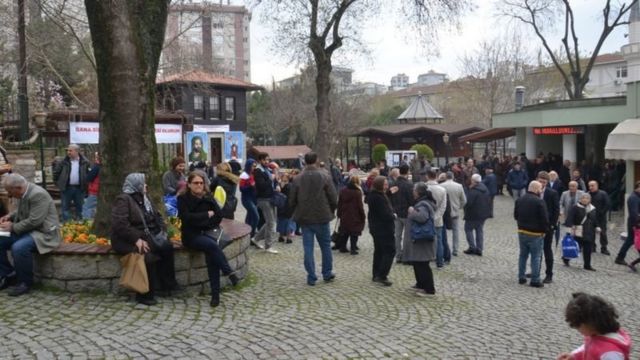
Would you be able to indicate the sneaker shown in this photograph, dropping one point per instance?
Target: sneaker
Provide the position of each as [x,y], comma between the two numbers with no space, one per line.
[469,251]
[633,268]
[565,261]
[20,289]
[280,239]
[620,262]
[255,243]
[330,278]
[536,284]
[522,281]
[311,282]
[233,278]
[271,251]
[590,268]
[604,251]
[289,241]
[547,280]
[455,253]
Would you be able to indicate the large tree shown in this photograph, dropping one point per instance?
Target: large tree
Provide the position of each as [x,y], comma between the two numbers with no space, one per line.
[318,28]
[127,38]
[542,15]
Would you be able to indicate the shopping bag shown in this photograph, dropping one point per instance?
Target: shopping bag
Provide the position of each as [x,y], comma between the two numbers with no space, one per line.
[134,273]
[570,247]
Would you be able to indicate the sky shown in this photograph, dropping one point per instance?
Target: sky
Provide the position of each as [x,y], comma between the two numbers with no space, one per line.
[392,52]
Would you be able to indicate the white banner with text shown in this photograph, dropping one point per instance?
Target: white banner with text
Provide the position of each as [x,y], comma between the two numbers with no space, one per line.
[89,133]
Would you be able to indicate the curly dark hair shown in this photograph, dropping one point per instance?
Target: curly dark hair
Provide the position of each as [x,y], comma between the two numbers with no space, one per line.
[593,311]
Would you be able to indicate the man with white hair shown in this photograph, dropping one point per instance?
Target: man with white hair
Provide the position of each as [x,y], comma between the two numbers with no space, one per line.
[33,226]
[530,212]
[476,212]
[457,201]
[70,176]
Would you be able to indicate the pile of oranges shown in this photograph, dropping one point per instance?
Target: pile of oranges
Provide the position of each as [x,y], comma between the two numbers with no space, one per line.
[78,233]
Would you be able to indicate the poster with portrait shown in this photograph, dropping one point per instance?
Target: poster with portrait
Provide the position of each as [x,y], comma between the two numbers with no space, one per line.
[195,147]
[234,145]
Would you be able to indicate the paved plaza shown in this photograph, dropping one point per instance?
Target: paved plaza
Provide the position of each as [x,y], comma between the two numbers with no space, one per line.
[479,312]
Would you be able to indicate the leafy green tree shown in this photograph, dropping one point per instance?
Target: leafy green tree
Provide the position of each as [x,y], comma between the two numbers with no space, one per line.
[423,150]
[379,152]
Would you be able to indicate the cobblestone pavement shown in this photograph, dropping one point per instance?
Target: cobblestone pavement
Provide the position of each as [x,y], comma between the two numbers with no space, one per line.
[480,312]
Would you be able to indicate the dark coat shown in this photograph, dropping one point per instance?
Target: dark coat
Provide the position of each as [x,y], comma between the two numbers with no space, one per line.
[633,209]
[517,179]
[193,211]
[351,211]
[557,186]
[61,173]
[264,184]
[424,250]
[380,217]
[478,206]
[531,213]
[601,201]
[230,189]
[552,201]
[403,198]
[288,212]
[576,215]
[491,182]
[313,197]
[127,225]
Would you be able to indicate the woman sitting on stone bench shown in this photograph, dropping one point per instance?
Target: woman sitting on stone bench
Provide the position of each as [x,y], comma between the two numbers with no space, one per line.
[201,217]
[128,235]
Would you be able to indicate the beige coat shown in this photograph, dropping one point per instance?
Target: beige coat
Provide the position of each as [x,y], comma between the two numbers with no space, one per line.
[36,214]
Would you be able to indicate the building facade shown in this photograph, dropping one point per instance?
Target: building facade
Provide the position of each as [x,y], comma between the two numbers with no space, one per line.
[432,78]
[399,81]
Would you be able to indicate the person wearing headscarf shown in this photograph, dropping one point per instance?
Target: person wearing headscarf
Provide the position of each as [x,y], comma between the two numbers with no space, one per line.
[381,225]
[130,211]
[201,216]
[229,182]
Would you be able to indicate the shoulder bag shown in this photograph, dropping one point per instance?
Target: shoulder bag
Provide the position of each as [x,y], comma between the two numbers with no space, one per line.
[156,241]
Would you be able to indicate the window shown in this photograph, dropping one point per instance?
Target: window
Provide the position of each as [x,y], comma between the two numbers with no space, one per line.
[621,71]
[214,107]
[197,107]
[229,106]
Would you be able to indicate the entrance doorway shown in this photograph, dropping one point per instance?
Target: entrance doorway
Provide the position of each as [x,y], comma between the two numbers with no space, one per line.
[215,150]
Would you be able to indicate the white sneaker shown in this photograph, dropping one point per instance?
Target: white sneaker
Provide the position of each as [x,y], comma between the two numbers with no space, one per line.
[257,244]
[271,251]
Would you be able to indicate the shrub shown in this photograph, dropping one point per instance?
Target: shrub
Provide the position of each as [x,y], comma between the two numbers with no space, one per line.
[379,152]
[423,150]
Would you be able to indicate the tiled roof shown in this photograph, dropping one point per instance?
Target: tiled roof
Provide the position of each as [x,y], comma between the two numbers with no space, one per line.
[399,129]
[199,76]
[284,152]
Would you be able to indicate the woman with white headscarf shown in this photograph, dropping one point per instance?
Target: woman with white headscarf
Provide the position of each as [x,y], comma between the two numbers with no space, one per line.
[128,235]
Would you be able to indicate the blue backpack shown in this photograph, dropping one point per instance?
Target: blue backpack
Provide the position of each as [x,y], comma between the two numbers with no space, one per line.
[426,231]
[570,247]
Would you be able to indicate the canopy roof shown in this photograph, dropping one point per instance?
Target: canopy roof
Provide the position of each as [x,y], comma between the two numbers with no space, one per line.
[420,109]
[403,129]
[284,152]
[488,135]
[624,141]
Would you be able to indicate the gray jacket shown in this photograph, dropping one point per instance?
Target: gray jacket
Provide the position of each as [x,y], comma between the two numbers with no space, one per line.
[37,215]
[440,196]
[457,197]
[170,180]
[418,251]
[567,201]
[63,169]
[313,198]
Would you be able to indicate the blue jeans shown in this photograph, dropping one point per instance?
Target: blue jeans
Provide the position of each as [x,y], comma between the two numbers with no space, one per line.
[443,254]
[252,217]
[22,248]
[75,195]
[214,257]
[322,233]
[530,245]
[89,207]
[469,227]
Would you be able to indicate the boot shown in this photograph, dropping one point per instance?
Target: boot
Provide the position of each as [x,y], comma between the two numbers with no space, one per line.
[354,247]
[215,299]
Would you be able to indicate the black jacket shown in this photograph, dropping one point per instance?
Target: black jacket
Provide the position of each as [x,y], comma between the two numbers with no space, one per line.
[576,215]
[193,212]
[552,201]
[264,185]
[478,206]
[531,213]
[403,198]
[633,209]
[601,201]
[381,219]
[230,189]
[62,170]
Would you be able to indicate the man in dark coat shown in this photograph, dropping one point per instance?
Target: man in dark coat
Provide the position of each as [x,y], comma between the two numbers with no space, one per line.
[491,182]
[533,221]
[476,211]
[401,196]
[633,211]
[601,201]
[264,192]
[552,203]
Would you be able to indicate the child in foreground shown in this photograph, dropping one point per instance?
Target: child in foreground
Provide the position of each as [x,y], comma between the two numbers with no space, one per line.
[597,320]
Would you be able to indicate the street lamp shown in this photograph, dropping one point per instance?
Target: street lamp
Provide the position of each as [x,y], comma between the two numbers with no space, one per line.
[445,140]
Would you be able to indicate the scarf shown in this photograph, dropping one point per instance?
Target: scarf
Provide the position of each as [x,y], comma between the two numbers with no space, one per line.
[134,183]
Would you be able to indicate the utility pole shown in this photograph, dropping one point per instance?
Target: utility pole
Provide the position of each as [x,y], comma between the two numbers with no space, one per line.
[23,100]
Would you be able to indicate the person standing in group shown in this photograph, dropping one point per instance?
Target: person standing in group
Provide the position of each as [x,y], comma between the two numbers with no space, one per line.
[286,226]
[550,198]
[476,212]
[264,192]
[530,212]
[517,180]
[351,215]
[236,168]
[601,201]
[577,177]
[131,215]
[440,196]
[420,253]
[93,188]
[457,200]
[201,217]
[583,222]
[401,196]
[70,176]
[33,228]
[229,182]
[491,182]
[248,196]
[173,178]
[314,186]
[381,226]
[569,198]
[555,183]
[469,170]
[633,218]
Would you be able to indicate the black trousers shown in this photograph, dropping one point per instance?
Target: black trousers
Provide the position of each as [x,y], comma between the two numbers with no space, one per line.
[587,248]
[343,241]
[424,276]
[604,240]
[384,250]
[160,269]
[548,253]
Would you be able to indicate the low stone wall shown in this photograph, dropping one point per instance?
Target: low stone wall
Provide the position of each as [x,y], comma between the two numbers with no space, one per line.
[98,269]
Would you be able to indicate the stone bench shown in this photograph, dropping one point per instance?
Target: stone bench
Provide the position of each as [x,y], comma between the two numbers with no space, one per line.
[88,267]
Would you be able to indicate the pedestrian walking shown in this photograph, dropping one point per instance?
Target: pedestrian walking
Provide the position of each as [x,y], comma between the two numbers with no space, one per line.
[265,181]
[419,254]
[351,215]
[476,212]
[633,217]
[583,222]
[601,201]
[552,203]
[381,225]
[530,212]
[517,180]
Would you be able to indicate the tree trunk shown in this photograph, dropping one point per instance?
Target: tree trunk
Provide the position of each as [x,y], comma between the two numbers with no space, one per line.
[323,108]
[127,38]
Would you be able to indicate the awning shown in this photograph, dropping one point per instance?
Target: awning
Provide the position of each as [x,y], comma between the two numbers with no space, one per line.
[284,152]
[488,135]
[624,141]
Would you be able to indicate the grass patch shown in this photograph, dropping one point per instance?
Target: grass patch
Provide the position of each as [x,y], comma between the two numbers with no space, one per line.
[248,281]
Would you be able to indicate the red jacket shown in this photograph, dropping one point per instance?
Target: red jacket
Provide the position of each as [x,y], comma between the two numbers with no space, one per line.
[595,347]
